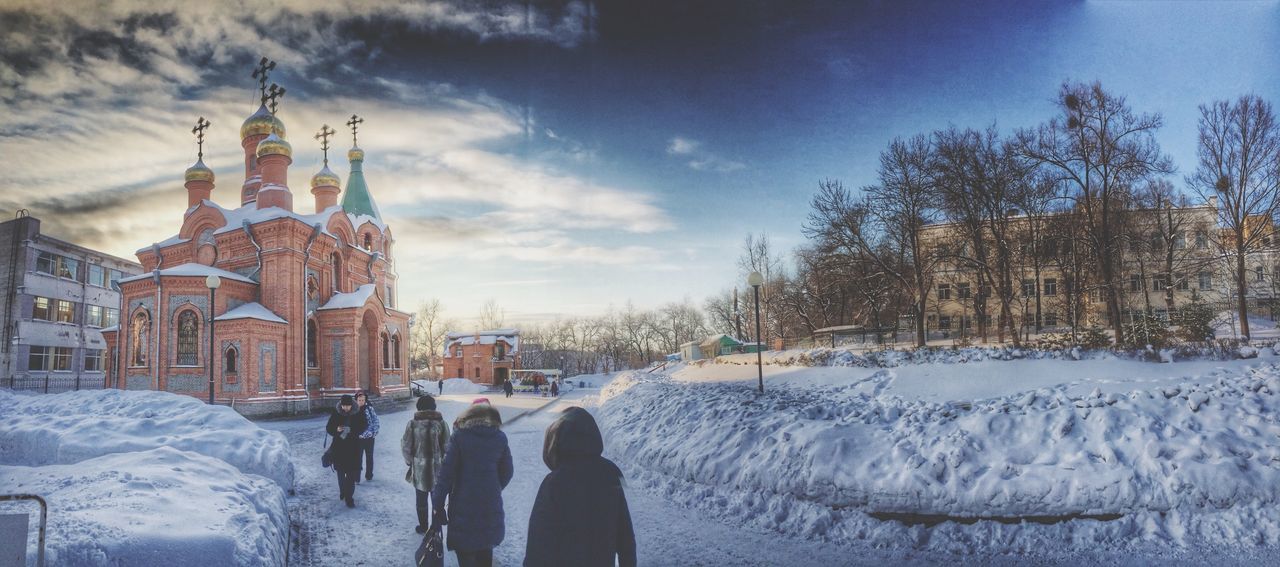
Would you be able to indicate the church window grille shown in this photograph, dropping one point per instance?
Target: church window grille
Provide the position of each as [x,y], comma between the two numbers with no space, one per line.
[188,339]
[138,332]
[230,359]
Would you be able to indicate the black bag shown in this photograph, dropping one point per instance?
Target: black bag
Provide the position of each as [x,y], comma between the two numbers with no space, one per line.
[431,551]
[326,460]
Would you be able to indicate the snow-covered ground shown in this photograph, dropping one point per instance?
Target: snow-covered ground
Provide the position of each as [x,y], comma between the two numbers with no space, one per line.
[1164,457]
[147,478]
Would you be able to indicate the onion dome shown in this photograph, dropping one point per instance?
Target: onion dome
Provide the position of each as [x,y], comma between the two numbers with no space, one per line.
[355,154]
[199,172]
[274,145]
[325,178]
[262,122]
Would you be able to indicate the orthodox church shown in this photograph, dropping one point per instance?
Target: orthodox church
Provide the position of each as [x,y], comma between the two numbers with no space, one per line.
[304,306]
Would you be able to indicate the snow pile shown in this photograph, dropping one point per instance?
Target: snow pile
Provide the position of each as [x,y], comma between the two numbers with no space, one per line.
[461,386]
[1162,459]
[161,506]
[76,426]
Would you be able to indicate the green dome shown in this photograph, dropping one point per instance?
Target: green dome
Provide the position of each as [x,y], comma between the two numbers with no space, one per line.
[274,145]
[260,123]
[357,200]
[199,172]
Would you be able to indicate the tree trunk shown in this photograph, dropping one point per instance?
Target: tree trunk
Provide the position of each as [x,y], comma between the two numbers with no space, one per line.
[1242,287]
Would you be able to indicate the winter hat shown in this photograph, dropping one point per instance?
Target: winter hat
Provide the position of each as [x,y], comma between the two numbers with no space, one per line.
[480,401]
[347,400]
[426,403]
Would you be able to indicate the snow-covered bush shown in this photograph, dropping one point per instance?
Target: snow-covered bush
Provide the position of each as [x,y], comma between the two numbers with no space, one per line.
[1147,330]
[1195,322]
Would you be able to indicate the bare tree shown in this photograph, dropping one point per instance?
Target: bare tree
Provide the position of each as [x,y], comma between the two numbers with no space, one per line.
[1101,149]
[492,316]
[1239,151]
[429,329]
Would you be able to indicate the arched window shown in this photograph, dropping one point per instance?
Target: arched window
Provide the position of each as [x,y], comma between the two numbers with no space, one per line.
[335,275]
[188,339]
[386,360]
[395,351]
[230,360]
[139,330]
[312,333]
[368,241]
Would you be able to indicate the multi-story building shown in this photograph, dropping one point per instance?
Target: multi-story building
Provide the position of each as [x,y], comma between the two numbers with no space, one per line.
[1167,257]
[484,357]
[56,299]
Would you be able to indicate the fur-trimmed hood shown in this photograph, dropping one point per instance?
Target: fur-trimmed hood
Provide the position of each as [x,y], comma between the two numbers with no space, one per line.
[478,415]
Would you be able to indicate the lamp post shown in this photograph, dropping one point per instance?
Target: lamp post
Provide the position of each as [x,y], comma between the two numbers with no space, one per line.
[212,282]
[755,280]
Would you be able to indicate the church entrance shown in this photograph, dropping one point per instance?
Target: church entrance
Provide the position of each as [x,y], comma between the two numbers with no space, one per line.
[499,376]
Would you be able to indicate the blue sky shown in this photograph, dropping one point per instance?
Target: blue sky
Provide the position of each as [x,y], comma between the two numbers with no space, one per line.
[564,157]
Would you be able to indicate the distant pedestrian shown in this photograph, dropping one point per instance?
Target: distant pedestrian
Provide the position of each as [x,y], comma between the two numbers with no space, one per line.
[508,387]
[367,438]
[555,389]
[423,444]
[346,423]
[440,384]
[580,516]
[477,466]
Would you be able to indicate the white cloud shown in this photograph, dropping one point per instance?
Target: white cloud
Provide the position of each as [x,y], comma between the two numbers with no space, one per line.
[699,158]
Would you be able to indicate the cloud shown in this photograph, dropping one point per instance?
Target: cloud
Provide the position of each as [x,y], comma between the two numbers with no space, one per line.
[699,158]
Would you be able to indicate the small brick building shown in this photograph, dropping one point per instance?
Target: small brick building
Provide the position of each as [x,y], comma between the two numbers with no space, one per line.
[306,310]
[484,357]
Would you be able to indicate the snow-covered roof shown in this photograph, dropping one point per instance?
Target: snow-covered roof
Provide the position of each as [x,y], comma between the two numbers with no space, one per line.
[192,269]
[110,329]
[251,310]
[509,336]
[359,220]
[251,212]
[356,298]
[489,333]
[717,338]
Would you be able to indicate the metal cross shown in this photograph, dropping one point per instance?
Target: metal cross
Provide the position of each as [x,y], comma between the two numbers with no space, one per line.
[323,136]
[260,73]
[354,123]
[273,95]
[201,126]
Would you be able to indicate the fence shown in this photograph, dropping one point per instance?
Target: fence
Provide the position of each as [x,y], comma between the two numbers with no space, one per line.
[53,384]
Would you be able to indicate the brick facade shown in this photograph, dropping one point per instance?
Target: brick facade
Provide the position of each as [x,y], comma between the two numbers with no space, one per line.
[484,357]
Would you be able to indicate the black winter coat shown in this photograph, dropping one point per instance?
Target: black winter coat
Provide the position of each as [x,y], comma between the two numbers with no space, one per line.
[346,448]
[477,466]
[580,517]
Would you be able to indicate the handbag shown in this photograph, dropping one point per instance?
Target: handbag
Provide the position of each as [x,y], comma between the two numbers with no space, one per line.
[326,460]
[431,551]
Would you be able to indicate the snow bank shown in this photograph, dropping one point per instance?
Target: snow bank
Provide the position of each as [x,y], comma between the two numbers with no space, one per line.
[461,386]
[161,506]
[1195,460]
[75,426]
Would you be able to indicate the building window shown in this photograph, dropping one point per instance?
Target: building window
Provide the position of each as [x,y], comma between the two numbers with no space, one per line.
[93,315]
[457,351]
[230,359]
[1206,280]
[38,359]
[47,263]
[93,361]
[1258,274]
[138,333]
[391,297]
[962,291]
[944,322]
[1051,286]
[335,273]
[188,339]
[1180,241]
[312,355]
[944,291]
[40,309]
[1135,283]
[368,241]
[55,265]
[1202,239]
[1028,288]
[1159,282]
[110,316]
[1051,319]
[395,351]
[66,311]
[477,372]
[386,355]
[61,359]
[1181,283]
[97,275]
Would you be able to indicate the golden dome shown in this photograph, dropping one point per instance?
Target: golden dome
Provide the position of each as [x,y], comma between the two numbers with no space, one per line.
[274,145]
[325,178]
[260,123]
[199,172]
[355,154]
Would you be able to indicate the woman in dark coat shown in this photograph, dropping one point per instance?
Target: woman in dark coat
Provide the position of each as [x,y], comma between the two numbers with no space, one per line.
[477,466]
[346,423]
[580,516]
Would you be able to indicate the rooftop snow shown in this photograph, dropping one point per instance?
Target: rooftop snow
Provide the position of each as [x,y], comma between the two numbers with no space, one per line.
[252,310]
[491,332]
[192,269]
[356,298]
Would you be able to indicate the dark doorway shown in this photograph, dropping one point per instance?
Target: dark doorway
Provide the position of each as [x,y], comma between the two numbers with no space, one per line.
[499,376]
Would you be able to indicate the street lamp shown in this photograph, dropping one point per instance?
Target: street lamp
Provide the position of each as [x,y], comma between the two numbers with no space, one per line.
[755,280]
[212,282]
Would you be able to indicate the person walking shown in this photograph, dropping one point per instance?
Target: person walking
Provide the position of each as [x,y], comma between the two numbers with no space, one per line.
[440,384]
[477,466]
[367,438]
[555,389]
[423,445]
[346,423]
[580,516]
[508,387]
